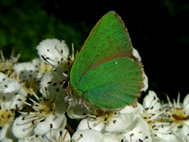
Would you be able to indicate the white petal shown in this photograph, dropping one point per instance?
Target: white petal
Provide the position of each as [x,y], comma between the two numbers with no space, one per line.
[28,70]
[184,133]
[10,92]
[6,140]
[44,127]
[111,137]
[15,102]
[129,109]
[12,87]
[59,135]
[166,137]
[2,76]
[95,124]
[152,102]
[54,78]
[18,67]
[22,128]
[57,51]
[4,131]
[52,44]
[33,138]
[140,131]
[53,91]
[166,132]
[122,123]
[87,136]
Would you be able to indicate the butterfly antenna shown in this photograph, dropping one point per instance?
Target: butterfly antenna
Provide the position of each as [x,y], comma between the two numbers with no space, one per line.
[88,119]
[53,65]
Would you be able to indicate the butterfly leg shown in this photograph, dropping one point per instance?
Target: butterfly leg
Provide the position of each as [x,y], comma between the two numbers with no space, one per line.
[86,107]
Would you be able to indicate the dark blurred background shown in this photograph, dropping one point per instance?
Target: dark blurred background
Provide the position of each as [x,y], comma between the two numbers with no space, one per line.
[159,31]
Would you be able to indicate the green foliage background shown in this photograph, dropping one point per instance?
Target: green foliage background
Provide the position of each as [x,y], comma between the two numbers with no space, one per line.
[25,24]
[158,29]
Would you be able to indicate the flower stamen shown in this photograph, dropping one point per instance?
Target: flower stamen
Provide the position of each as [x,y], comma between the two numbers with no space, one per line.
[179,117]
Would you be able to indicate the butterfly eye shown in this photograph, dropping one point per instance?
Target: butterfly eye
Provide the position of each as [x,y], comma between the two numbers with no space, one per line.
[66,72]
[65,84]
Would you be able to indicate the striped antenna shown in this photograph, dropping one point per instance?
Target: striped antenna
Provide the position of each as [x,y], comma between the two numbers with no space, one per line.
[53,65]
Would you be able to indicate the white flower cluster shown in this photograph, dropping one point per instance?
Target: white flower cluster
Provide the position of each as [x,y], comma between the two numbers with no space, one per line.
[32,107]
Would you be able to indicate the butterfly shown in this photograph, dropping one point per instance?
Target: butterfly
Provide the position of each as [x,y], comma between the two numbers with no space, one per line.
[107,73]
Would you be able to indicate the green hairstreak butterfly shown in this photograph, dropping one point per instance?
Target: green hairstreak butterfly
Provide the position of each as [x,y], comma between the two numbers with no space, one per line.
[106,73]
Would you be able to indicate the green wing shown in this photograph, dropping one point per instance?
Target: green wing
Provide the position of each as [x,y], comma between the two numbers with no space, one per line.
[105,72]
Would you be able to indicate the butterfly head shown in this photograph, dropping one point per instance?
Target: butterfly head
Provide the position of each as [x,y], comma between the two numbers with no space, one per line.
[65,83]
